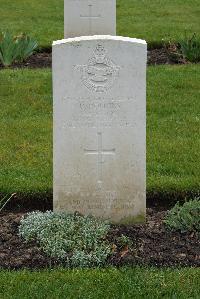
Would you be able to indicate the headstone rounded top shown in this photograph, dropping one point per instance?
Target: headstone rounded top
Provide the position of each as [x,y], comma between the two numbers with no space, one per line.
[99,37]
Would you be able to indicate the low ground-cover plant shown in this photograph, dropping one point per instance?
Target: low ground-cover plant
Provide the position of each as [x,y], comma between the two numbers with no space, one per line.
[77,241]
[124,241]
[15,49]
[184,218]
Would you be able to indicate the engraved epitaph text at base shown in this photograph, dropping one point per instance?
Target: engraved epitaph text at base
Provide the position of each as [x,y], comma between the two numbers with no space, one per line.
[99,86]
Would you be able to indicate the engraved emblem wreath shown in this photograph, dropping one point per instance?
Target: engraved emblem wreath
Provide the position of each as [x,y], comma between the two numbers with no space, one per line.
[100,73]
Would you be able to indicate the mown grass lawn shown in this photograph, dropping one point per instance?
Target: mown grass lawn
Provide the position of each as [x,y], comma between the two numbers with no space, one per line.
[150,20]
[173,130]
[124,283]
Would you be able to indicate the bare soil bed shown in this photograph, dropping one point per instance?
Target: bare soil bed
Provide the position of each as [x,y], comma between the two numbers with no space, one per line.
[44,60]
[152,245]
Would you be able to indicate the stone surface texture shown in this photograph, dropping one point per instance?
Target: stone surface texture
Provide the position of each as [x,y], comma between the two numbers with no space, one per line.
[99,86]
[89,17]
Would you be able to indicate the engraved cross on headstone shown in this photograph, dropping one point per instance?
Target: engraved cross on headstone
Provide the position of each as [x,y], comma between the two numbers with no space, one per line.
[100,152]
[90,17]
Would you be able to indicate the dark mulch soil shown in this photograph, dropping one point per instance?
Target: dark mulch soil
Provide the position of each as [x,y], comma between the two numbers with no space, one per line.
[37,60]
[152,245]
[43,60]
[164,56]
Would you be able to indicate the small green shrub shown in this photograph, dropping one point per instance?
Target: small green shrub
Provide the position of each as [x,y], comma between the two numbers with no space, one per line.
[25,46]
[173,52]
[124,241]
[184,218]
[8,49]
[15,49]
[77,241]
[190,48]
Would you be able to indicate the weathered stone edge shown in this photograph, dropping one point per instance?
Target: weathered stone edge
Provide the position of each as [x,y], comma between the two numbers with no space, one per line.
[99,37]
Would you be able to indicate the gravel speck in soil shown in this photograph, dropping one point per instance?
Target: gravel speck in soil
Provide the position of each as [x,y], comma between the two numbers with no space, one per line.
[152,245]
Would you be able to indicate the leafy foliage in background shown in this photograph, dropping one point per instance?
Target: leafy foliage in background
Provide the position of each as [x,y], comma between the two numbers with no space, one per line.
[190,48]
[184,218]
[15,49]
[77,241]
[8,49]
[187,49]
[25,46]
[173,52]
[4,201]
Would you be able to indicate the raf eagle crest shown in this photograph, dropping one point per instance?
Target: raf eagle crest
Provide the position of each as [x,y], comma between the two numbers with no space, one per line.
[100,73]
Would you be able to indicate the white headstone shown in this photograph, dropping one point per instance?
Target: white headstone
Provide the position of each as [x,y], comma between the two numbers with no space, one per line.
[89,17]
[99,88]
